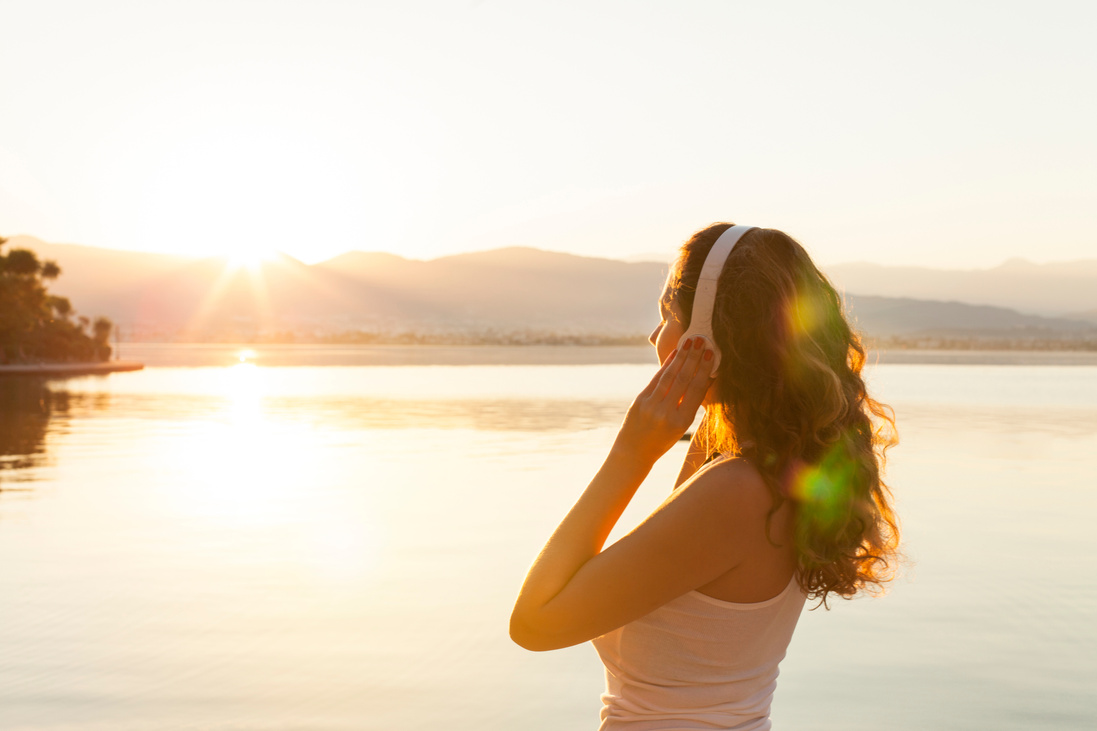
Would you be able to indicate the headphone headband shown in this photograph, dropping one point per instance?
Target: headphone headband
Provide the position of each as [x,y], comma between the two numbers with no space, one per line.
[700,321]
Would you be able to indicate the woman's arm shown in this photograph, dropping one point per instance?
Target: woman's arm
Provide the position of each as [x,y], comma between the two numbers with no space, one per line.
[578,539]
[574,590]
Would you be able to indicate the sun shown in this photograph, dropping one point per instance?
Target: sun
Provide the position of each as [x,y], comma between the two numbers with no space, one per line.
[251,258]
[243,185]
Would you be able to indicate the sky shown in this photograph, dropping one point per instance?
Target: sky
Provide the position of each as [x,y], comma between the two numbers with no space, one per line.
[944,134]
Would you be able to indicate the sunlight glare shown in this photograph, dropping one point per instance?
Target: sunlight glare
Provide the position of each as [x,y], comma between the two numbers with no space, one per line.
[250,474]
[244,385]
[247,181]
[251,258]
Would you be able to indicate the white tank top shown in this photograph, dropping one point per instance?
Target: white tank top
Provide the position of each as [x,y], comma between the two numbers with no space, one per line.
[697,663]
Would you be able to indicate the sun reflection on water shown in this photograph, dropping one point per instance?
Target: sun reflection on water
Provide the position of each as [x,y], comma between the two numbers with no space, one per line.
[244,386]
[258,481]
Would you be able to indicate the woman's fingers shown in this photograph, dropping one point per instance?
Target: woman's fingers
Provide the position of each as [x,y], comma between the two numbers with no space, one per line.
[673,367]
[698,386]
[653,384]
[676,382]
[667,406]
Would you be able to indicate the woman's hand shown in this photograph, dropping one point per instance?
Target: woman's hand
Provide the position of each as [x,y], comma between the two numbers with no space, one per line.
[664,410]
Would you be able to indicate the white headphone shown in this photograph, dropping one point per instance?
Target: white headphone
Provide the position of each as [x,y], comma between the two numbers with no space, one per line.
[700,322]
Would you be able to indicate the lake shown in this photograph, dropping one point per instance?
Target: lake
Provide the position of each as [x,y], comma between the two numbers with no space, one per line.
[332,538]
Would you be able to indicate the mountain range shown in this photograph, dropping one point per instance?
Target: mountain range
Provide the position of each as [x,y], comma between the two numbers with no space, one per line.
[523,290]
[1058,289]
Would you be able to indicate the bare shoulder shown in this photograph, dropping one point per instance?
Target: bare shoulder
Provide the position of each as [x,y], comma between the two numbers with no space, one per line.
[758,533]
[731,484]
[739,506]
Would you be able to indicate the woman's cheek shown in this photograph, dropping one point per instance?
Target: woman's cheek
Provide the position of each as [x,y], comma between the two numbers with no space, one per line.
[665,345]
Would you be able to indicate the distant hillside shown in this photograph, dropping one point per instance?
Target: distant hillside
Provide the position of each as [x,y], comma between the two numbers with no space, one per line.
[904,317]
[507,289]
[1060,289]
[475,296]
[100,280]
[515,287]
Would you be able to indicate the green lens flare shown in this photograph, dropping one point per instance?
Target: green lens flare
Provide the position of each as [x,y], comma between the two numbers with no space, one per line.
[826,488]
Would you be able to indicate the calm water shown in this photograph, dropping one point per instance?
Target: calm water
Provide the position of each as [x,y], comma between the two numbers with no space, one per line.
[280,546]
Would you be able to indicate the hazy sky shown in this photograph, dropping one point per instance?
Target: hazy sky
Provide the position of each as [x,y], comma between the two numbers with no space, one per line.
[953,134]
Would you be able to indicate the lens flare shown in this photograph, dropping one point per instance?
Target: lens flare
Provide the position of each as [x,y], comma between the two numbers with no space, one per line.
[826,488]
[803,315]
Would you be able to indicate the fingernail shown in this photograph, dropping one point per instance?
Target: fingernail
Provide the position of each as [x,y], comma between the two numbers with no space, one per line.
[688,344]
[708,355]
[672,354]
[698,342]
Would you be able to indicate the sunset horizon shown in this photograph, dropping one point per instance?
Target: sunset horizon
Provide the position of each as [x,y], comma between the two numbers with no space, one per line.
[30,240]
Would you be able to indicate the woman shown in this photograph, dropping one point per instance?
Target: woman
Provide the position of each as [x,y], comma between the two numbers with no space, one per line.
[779,500]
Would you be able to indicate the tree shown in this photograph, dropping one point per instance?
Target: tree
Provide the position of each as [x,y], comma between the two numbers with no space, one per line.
[38,326]
[101,330]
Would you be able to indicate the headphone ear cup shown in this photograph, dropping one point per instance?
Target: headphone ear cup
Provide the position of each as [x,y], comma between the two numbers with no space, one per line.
[708,343]
[715,360]
[711,345]
[690,335]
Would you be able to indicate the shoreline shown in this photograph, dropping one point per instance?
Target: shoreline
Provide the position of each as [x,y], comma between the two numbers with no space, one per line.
[900,356]
[65,370]
[180,355]
[176,355]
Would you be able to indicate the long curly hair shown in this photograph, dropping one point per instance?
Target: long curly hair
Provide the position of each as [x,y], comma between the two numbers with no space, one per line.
[789,397]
